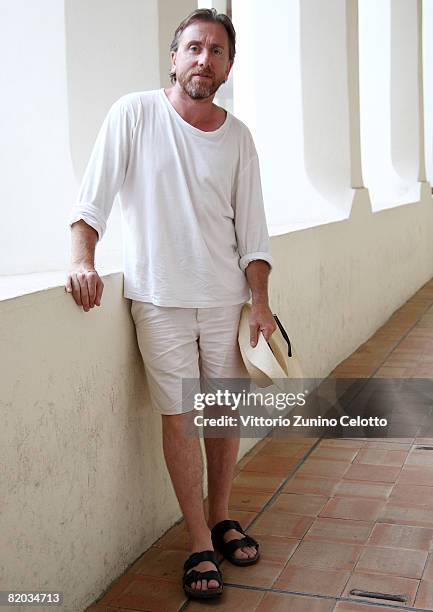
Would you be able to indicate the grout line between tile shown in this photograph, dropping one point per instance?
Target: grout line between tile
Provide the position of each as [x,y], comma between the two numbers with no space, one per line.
[324,597]
[283,484]
[422,574]
[401,337]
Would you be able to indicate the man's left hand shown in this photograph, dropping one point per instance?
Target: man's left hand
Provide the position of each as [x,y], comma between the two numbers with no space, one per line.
[261,320]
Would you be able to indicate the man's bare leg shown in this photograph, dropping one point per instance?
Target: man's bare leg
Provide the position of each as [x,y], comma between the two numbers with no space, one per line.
[185,465]
[221,454]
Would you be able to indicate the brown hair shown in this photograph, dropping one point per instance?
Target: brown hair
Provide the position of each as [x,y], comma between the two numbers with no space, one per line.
[205,15]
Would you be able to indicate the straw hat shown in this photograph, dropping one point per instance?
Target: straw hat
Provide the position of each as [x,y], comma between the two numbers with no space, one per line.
[267,361]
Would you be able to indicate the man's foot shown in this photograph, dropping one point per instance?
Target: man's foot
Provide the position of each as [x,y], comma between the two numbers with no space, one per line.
[206,581]
[225,534]
[204,584]
[246,552]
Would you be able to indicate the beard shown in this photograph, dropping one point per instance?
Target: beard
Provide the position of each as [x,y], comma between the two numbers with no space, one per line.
[196,88]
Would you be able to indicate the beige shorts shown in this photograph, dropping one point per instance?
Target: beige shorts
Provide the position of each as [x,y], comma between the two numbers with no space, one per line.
[186,343]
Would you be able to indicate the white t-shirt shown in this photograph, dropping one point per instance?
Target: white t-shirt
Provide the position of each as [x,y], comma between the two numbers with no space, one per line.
[191,203]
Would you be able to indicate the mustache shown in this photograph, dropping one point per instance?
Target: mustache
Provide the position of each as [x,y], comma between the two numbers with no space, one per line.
[198,73]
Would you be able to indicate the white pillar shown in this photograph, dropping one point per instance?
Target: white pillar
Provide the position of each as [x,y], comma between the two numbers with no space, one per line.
[389,101]
[427,12]
[291,89]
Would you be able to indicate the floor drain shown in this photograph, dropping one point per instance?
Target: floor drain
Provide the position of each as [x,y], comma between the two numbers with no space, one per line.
[372,594]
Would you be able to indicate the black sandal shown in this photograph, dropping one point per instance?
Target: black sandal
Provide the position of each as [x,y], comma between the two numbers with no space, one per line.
[228,548]
[194,575]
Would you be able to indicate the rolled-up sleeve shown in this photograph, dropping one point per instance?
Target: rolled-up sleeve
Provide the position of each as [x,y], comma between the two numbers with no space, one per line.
[106,169]
[250,220]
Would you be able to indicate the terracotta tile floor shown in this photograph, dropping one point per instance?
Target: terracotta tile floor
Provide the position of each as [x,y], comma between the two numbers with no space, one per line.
[331,515]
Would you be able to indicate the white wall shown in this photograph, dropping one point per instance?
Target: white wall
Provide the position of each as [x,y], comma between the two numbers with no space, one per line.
[170,14]
[65,63]
[112,48]
[38,181]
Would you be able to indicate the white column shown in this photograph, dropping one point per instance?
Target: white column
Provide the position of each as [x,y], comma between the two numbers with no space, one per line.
[389,90]
[290,87]
[427,11]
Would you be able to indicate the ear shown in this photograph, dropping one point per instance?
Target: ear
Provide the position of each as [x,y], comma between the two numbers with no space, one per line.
[230,66]
[173,59]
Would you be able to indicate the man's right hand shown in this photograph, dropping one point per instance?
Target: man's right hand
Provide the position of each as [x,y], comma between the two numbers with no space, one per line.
[85,285]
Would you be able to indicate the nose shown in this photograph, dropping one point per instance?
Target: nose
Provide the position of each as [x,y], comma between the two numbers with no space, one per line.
[204,58]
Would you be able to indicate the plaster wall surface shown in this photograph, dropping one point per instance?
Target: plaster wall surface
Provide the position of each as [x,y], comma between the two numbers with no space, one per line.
[83,470]
[335,285]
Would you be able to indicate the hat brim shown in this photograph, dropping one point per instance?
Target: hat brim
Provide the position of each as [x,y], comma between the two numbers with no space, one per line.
[266,362]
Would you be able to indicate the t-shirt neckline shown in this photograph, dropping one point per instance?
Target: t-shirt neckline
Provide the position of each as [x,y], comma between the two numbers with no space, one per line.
[190,127]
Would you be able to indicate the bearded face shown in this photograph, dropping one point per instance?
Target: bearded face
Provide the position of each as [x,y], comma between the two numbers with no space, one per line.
[199,85]
[201,62]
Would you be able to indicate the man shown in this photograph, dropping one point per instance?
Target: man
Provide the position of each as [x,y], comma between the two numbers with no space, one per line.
[195,244]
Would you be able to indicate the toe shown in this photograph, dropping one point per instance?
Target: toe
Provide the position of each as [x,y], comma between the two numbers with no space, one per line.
[248,552]
[203,585]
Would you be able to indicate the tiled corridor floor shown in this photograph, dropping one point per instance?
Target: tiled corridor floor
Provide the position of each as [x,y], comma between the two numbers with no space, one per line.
[331,515]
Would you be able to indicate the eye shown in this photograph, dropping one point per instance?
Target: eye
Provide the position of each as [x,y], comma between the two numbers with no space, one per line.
[193,48]
[218,51]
